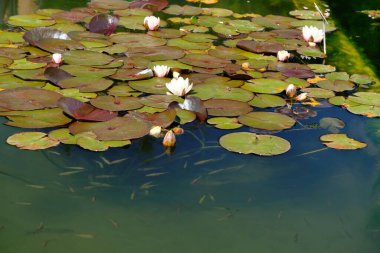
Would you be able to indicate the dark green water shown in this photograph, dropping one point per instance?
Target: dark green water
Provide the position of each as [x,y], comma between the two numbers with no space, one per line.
[208,200]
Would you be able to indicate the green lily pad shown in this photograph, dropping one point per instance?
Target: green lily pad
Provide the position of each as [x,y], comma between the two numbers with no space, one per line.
[361,79]
[25,64]
[119,128]
[226,30]
[172,64]
[111,103]
[338,76]
[210,21]
[153,86]
[224,107]
[31,141]
[338,100]
[188,45]
[137,40]
[10,37]
[321,68]
[91,144]
[306,14]
[123,90]
[250,143]
[185,116]
[267,120]
[132,74]
[266,101]
[318,92]
[186,10]
[159,101]
[86,58]
[31,20]
[366,98]
[337,85]
[30,74]
[211,90]
[369,111]
[77,70]
[265,85]
[224,123]
[228,53]
[195,28]
[160,53]
[36,118]
[163,119]
[204,61]
[311,52]
[12,53]
[341,141]
[200,38]
[167,33]
[63,135]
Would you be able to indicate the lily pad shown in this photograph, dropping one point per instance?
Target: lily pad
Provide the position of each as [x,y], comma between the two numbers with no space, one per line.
[91,144]
[28,99]
[341,141]
[25,64]
[366,98]
[31,141]
[265,85]
[36,118]
[103,24]
[153,86]
[204,61]
[159,101]
[369,111]
[163,119]
[333,125]
[86,84]
[137,40]
[224,123]
[186,10]
[156,53]
[132,74]
[260,46]
[120,128]
[267,100]
[337,85]
[111,103]
[31,20]
[224,107]
[188,45]
[318,92]
[250,143]
[267,120]
[86,58]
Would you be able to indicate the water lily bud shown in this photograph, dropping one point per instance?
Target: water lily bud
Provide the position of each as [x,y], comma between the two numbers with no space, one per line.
[283,55]
[152,23]
[291,90]
[245,66]
[155,131]
[178,130]
[161,70]
[57,58]
[301,97]
[169,139]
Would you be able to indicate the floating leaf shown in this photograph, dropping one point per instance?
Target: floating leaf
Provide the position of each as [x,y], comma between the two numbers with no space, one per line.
[25,64]
[111,103]
[341,141]
[28,99]
[160,53]
[55,75]
[86,84]
[250,143]
[31,141]
[267,120]
[63,135]
[77,70]
[86,58]
[36,118]
[36,35]
[267,86]
[224,107]
[361,79]
[31,20]
[153,5]
[224,123]
[137,40]
[204,61]
[259,46]
[267,100]
[366,98]
[120,128]
[163,119]
[337,85]
[153,85]
[318,92]
[132,74]
[82,111]
[103,23]
[186,10]
[91,144]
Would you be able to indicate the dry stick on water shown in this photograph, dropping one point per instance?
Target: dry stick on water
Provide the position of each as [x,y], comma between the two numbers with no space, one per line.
[323,27]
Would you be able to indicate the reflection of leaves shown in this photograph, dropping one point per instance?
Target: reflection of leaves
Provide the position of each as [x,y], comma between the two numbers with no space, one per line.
[331,124]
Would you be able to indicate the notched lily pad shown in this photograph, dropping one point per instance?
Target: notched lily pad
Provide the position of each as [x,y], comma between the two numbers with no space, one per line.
[267,120]
[341,141]
[224,107]
[31,141]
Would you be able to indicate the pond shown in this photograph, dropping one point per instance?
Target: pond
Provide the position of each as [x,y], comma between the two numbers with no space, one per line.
[201,197]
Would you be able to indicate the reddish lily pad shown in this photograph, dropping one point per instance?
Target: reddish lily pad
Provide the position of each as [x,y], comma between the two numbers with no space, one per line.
[299,73]
[55,75]
[159,101]
[341,141]
[137,40]
[163,119]
[153,5]
[119,128]
[35,35]
[82,111]
[132,74]
[86,58]
[103,24]
[260,47]
[186,10]
[28,99]
[156,53]
[86,84]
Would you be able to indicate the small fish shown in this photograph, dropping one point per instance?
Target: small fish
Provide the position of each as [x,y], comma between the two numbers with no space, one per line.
[114,223]
[54,153]
[85,236]
[147,169]
[71,189]
[105,176]
[100,164]
[105,160]
[147,185]
[47,242]
[118,161]
[99,184]
[88,187]
[194,181]
[226,217]
[68,173]
[133,195]
[279,215]
[211,197]
[75,168]
[209,160]
[40,228]
[185,165]
[93,199]
[155,174]
[202,199]
[36,186]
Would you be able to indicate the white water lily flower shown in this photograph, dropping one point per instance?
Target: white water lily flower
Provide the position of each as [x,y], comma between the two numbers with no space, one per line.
[144,72]
[57,58]
[161,70]
[312,34]
[179,86]
[291,90]
[283,55]
[152,23]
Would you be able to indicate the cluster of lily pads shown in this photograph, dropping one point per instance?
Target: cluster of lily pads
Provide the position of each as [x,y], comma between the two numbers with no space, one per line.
[102,80]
